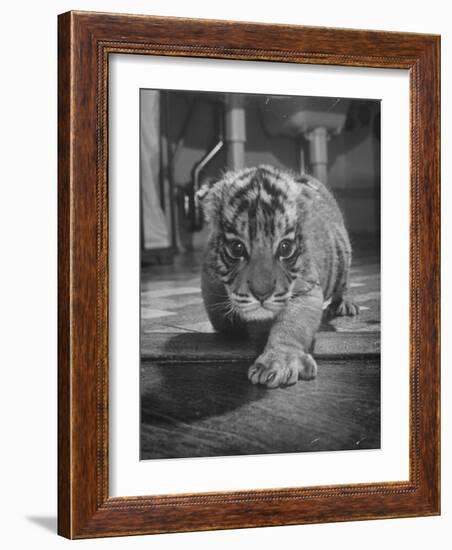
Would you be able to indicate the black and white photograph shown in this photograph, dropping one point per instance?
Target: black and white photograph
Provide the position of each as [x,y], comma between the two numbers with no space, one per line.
[260,274]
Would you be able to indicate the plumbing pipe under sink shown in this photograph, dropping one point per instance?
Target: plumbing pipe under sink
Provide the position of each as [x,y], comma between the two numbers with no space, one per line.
[232,132]
[312,118]
[235,130]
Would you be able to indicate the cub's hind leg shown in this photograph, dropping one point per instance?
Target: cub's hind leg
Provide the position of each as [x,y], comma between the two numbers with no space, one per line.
[342,305]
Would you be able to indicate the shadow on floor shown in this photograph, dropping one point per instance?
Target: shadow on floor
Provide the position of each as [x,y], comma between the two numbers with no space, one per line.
[194,391]
[49,523]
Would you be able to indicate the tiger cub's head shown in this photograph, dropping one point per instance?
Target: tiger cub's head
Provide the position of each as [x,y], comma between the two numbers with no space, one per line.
[256,246]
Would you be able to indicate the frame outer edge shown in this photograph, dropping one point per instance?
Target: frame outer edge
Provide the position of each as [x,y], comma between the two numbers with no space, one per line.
[82,511]
[425,273]
[438,176]
[64,278]
[431,251]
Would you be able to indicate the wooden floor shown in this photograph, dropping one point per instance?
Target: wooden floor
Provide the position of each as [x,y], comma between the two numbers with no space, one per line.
[196,400]
[210,409]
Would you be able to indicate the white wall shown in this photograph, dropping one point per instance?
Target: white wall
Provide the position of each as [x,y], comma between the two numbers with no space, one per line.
[28,270]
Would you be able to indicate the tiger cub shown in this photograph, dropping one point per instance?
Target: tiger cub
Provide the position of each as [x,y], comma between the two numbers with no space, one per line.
[277,251]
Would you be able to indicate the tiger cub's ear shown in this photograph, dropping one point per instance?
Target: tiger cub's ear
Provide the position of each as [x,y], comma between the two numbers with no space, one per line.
[307,195]
[203,190]
[209,196]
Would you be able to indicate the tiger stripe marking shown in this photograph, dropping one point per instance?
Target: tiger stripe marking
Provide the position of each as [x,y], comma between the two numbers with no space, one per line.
[255,282]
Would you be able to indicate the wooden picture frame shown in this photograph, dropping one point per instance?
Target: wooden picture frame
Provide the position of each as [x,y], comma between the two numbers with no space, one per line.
[85,42]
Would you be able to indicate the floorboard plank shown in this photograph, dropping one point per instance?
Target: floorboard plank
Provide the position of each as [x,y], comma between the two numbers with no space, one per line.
[189,346]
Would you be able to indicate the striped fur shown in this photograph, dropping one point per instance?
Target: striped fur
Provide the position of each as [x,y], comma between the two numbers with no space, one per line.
[275,237]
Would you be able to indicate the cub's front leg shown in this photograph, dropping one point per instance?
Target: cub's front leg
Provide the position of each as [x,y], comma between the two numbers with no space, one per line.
[286,357]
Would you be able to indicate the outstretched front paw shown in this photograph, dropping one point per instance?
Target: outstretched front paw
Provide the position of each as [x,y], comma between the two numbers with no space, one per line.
[282,366]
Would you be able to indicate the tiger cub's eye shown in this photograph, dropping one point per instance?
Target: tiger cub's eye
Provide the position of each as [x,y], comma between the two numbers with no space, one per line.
[285,249]
[236,250]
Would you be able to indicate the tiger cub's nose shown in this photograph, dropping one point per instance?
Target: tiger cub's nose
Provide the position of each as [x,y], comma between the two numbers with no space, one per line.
[261,288]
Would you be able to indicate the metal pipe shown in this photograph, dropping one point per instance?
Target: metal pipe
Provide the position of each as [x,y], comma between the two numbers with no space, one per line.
[194,206]
[199,166]
[235,130]
[318,153]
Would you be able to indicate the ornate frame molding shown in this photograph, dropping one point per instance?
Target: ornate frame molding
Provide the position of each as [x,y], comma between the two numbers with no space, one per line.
[85,42]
